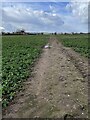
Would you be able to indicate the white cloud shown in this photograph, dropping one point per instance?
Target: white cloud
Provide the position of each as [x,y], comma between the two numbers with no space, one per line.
[79,9]
[52,19]
[82,1]
[34,19]
[45,1]
[52,8]
[1,29]
[34,1]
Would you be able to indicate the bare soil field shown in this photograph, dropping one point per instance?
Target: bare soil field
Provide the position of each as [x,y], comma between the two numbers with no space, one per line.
[58,87]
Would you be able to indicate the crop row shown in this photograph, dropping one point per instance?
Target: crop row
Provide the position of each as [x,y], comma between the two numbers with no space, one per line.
[18,56]
[78,42]
[0,91]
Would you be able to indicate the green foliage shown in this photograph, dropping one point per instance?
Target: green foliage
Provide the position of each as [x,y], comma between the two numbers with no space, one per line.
[78,42]
[18,56]
[0,91]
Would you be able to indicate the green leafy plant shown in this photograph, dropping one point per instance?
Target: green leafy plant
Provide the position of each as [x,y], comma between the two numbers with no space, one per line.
[77,42]
[19,54]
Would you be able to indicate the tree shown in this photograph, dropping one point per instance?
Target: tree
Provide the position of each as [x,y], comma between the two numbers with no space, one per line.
[55,33]
[20,31]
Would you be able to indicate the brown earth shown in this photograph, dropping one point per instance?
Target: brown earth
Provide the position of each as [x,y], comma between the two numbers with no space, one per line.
[58,88]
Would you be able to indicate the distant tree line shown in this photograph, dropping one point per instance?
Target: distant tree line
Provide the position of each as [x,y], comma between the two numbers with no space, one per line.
[14,33]
[22,32]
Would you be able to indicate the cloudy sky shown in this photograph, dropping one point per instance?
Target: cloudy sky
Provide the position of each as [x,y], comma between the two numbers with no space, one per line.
[52,16]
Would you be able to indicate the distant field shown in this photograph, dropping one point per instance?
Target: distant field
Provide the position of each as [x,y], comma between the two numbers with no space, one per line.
[18,56]
[78,42]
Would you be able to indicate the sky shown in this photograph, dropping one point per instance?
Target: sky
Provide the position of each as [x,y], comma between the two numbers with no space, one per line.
[52,16]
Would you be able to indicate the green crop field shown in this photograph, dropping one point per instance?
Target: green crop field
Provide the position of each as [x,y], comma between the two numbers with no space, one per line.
[18,57]
[0,91]
[19,54]
[77,42]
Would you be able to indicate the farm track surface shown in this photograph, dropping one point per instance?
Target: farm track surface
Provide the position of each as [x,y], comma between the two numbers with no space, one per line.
[58,87]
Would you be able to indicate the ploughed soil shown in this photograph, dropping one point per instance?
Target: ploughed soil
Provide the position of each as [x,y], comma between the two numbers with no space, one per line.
[58,87]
